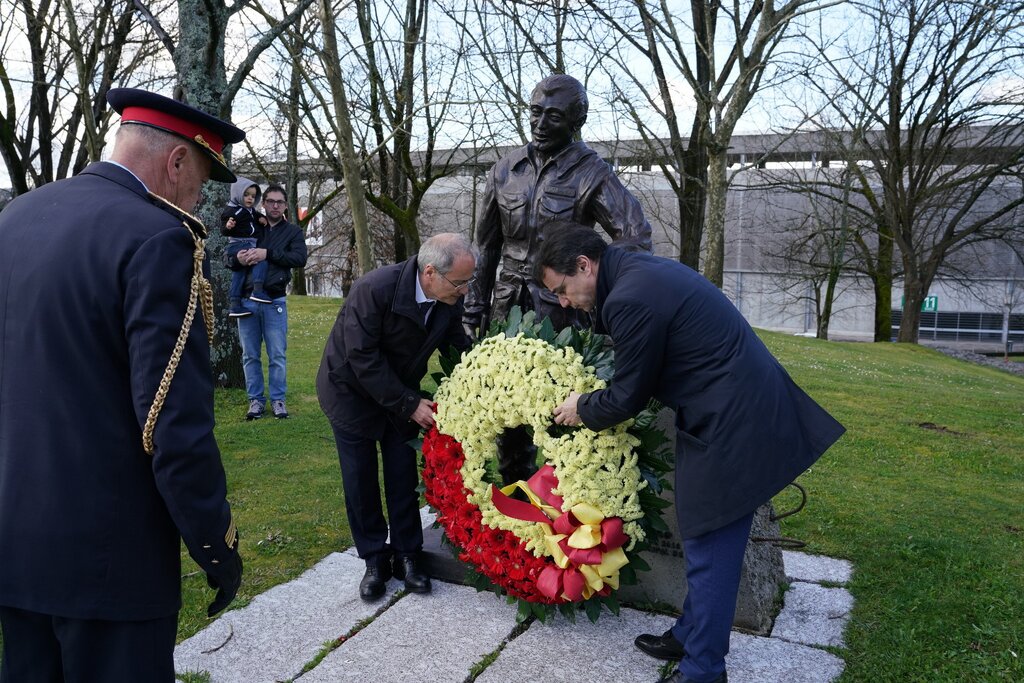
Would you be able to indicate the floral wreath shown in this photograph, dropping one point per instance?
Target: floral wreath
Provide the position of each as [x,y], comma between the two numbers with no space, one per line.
[588,511]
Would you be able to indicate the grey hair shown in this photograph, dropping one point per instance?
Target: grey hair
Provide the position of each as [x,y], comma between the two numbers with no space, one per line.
[442,249]
[155,141]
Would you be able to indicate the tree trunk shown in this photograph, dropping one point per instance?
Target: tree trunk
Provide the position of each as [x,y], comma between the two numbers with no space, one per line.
[883,286]
[714,247]
[910,322]
[350,165]
[202,83]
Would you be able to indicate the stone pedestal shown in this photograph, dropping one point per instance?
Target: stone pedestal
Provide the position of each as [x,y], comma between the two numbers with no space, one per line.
[760,580]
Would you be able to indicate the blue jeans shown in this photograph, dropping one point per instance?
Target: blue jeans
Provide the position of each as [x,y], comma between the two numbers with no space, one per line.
[259,271]
[268,325]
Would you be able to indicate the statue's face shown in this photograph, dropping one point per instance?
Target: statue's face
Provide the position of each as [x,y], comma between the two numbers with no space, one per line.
[550,122]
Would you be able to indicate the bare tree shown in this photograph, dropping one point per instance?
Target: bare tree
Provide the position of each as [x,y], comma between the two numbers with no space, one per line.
[941,159]
[202,82]
[59,59]
[724,73]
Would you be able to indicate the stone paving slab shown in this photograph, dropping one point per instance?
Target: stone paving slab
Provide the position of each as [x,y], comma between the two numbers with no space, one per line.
[433,638]
[814,615]
[816,568]
[280,631]
[562,652]
[769,660]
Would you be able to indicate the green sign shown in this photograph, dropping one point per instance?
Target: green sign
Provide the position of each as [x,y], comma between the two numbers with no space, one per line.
[929,305]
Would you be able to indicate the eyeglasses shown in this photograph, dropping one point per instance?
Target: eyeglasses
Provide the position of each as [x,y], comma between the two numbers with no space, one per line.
[274,202]
[560,289]
[457,285]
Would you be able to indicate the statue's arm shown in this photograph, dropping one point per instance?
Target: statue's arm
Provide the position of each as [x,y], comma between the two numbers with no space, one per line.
[620,214]
[489,239]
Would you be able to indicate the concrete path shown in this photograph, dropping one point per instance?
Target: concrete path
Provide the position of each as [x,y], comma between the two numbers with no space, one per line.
[316,629]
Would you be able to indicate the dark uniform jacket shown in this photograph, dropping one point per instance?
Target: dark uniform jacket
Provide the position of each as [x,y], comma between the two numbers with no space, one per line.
[745,429]
[94,283]
[286,249]
[520,196]
[378,350]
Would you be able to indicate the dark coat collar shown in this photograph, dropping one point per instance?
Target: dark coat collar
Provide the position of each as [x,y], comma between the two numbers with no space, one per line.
[115,173]
[607,273]
[405,292]
[567,158]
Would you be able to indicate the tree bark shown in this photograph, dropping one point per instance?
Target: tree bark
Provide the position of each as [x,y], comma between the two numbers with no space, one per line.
[350,164]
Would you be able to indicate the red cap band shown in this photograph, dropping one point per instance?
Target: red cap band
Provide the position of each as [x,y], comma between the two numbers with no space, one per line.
[187,129]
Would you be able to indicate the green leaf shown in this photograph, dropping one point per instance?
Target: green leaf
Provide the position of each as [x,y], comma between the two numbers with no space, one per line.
[514,322]
[639,563]
[612,604]
[547,330]
[593,609]
[564,338]
[524,611]
[568,611]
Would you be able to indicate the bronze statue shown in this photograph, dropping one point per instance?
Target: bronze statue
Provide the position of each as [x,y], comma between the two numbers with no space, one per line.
[552,178]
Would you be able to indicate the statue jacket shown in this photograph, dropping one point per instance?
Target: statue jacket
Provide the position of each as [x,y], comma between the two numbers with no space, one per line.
[94,282]
[520,196]
[377,352]
[745,429]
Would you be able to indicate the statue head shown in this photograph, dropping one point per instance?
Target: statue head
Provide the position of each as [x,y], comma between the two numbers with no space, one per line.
[558,109]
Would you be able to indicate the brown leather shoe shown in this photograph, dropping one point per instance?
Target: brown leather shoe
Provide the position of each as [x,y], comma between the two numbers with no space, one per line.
[664,646]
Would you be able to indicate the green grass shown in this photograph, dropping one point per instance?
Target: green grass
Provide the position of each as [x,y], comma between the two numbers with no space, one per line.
[932,517]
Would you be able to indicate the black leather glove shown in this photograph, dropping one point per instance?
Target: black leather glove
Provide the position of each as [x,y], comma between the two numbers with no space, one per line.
[227,582]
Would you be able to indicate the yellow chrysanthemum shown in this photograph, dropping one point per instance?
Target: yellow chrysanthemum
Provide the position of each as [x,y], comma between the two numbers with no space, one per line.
[508,382]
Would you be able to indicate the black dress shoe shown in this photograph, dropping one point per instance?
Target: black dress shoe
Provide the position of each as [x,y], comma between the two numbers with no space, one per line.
[664,646]
[415,580]
[375,580]
[678,677]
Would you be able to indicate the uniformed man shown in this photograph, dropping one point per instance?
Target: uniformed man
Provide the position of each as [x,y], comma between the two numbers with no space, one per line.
[105,465]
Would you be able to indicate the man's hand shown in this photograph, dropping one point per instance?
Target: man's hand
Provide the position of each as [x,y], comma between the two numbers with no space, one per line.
[566,414]
[250,257]
[227,582]
[424,414]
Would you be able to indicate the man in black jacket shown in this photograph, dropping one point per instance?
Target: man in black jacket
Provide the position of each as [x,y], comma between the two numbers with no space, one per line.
[368,384]
[283,247]
[744,428]
[98,272]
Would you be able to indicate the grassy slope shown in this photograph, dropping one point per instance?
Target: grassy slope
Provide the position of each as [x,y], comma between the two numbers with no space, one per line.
[931,517]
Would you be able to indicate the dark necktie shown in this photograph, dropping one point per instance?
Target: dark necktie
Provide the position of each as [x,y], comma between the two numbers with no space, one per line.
[425,307]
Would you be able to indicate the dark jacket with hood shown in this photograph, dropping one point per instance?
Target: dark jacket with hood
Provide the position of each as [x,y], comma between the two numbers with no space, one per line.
[248,221]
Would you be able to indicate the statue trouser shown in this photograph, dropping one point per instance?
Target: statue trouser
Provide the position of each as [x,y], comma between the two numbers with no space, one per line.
[517,456]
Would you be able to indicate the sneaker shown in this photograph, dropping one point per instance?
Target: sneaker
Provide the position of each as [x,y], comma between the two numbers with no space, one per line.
[255,409]
[238,312]
[279,410]
[260,297]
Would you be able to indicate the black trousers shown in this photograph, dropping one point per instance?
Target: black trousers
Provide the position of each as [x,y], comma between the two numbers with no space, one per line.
[41,648]
[357,456]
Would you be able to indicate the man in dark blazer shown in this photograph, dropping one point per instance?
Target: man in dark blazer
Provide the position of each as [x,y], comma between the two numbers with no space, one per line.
[744,428]
[98,272]
[368,384]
